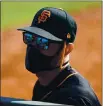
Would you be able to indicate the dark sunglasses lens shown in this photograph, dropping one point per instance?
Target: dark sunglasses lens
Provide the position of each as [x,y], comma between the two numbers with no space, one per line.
[42,43]
[28,38]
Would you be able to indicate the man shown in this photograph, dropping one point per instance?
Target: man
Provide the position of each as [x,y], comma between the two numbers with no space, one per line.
[49,42]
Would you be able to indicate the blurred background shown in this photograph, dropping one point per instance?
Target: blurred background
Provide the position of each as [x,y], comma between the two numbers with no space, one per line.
[16,81]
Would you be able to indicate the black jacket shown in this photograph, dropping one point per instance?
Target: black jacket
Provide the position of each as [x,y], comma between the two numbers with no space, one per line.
[69,87]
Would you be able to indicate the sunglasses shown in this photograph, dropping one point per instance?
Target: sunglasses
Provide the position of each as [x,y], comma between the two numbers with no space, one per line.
[37,41]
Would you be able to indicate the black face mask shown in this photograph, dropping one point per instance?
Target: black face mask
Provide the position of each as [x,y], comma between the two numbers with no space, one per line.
[36,61]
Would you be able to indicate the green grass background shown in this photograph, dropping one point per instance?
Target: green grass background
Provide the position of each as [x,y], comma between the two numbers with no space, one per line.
[18,13]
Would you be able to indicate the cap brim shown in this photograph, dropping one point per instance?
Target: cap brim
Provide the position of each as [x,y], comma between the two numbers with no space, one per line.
[40,32]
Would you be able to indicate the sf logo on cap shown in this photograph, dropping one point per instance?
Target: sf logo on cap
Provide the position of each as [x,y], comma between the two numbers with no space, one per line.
[44,16]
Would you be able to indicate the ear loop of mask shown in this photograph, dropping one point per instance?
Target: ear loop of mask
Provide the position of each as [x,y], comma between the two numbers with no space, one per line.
[62,55]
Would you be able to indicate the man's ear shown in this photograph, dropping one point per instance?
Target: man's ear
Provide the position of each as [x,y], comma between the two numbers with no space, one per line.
[69,48]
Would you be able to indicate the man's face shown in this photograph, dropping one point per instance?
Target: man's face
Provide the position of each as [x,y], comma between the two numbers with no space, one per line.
[38,58]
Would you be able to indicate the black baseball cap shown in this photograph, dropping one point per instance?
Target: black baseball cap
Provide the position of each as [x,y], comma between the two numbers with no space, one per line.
[54,24]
